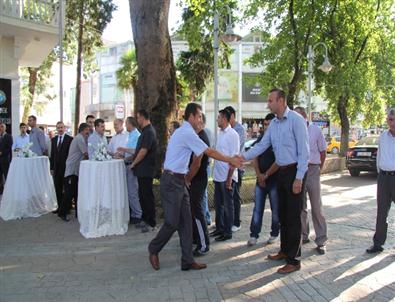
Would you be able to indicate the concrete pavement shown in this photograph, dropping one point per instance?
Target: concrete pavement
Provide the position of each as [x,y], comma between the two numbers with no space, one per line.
[45,259]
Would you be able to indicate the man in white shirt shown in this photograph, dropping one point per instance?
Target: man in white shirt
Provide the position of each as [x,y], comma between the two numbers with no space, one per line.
[225,178]
[21,140]
[317,145]
[385,183]
[119,140]
[97,138]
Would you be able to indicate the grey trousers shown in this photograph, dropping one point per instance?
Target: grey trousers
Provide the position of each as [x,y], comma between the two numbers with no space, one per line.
[385,196]
[177,209]
[313,189]
[133,194]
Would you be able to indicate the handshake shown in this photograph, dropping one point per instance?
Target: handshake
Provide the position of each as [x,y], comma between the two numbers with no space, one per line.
[236,161]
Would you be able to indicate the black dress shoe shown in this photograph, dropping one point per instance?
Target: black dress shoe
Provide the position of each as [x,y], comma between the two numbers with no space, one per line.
[55,212]
[215,233]
[223,238]
[198,252]
[374,249]
[305,241]
[64,218]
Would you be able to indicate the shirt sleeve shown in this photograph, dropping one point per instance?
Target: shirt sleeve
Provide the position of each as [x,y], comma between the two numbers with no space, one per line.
[82,146]
[302,145]
[147,140]
[110,146]
[321,141]
[260,147]
[41,140]
[196,144]
[91,146]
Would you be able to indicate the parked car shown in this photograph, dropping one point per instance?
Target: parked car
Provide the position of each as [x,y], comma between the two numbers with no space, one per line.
[334,145]
[362,157]
[250,143]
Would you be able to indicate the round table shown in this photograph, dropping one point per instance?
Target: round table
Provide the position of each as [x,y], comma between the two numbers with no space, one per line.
[103,207]
[29,190]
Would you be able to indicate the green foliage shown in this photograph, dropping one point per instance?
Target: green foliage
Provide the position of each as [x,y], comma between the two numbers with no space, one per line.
[360,37]
[196,64]
[127,73]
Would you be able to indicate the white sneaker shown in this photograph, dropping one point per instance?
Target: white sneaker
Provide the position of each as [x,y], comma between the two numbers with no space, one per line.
[235,228]
[252,241]
[272,239]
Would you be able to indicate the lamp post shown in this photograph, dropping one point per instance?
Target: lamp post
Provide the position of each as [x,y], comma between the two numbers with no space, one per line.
[325,67]
[229,36]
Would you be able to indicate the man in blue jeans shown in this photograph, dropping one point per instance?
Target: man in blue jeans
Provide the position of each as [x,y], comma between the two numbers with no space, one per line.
[266,185]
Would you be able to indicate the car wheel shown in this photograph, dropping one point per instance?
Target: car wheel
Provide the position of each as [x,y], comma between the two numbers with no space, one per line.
[354,173]
[335,150]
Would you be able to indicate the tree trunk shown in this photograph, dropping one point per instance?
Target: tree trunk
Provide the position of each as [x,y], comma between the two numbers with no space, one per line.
[156,83]
[32,88]
[344,123]
[79,69]
[292,88]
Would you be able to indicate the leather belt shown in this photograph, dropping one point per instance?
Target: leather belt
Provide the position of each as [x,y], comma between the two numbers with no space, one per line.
[313,165]
[390,173]
[178,175]
[282,168]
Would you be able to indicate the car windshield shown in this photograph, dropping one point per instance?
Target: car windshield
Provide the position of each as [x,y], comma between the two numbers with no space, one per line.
[369,140]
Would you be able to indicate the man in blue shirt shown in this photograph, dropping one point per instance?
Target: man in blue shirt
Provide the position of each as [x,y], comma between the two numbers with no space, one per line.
[173,187]
[287,134]
[132,183]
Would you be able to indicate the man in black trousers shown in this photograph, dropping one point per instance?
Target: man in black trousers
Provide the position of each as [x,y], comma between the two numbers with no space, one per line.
[5,154]
[60,146]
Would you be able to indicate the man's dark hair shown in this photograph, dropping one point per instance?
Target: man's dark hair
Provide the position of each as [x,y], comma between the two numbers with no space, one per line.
[204,118]
[60,122]
[33,117]
[280,93]
[131,120]
[82,127]
[225,113]
[144,113]
[98,122]
[269,117]
[89,116]
[175,124]
[231,110]
[192,108]
[22,125]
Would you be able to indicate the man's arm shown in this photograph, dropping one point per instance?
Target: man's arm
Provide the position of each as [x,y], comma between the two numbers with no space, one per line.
[42,143]
[195,166]
[260,147]
[235,161]
[322,159]
[139,157]
[302,145]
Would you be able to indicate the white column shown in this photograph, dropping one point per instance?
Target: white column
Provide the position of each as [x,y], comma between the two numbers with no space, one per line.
[240,83]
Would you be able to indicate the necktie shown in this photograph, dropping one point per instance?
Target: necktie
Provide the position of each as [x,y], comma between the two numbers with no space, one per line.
[60,142]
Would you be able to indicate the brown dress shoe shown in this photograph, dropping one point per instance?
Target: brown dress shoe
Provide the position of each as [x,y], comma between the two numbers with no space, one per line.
[279,256]
[194,266]
[154,260]
[289,268]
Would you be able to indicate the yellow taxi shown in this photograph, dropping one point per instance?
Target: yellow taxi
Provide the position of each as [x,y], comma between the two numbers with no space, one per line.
[334,145]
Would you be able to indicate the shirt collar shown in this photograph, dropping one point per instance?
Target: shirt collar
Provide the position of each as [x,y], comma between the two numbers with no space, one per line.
[285,115]
[227,128]
[98,134]
[187,124]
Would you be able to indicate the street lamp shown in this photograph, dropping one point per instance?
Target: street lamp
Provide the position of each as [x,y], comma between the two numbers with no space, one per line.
[326,67]
[229,36]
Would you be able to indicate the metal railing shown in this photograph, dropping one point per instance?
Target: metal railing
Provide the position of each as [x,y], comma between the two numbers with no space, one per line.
[38,11]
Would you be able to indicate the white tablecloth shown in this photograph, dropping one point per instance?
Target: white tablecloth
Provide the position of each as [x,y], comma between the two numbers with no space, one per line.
[29,190]
[103,207]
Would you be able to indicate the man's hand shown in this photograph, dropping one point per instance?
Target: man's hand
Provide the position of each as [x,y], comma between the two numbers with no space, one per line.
[237,161]
[188,181]
[297,186]
[121,149]
[52,172]
[229,184]
[261,180]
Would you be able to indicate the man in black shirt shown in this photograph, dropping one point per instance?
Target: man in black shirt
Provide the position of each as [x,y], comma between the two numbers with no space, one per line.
[197,188]
[144,168]
[266,184]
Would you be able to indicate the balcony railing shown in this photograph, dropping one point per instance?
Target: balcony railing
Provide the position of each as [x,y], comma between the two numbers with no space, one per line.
[38,11]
